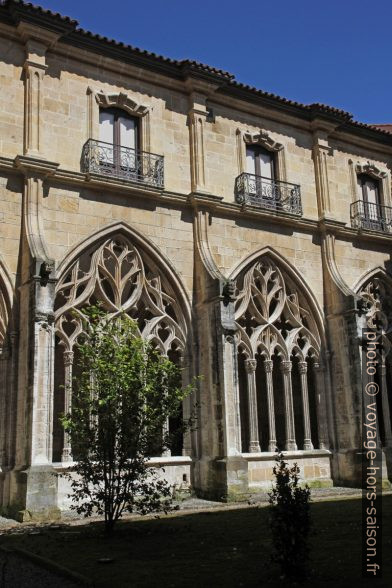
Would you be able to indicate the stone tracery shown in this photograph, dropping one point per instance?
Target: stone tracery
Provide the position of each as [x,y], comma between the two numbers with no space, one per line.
[376,294]
[118,276]
[277,333]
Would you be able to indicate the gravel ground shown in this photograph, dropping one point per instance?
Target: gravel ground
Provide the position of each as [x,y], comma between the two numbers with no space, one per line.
[188,504]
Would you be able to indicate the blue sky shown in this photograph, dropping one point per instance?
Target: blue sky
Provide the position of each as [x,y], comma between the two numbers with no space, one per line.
[335,52]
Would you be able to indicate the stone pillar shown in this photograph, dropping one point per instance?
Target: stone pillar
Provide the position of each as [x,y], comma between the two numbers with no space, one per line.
[187,406]
[34,74]
[254,444]
[286,367]
[321,407]
[68,364]
[303,370]
[268,367]
[385,405]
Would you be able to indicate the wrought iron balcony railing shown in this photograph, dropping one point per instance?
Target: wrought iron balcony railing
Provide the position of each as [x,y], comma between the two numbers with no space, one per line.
[370,216]
[267,193]
[124,163]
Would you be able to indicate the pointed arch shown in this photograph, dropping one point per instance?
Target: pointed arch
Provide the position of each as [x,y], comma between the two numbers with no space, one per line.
[142,243]
[377,271]
[287,268]
[280,341]
[6,302]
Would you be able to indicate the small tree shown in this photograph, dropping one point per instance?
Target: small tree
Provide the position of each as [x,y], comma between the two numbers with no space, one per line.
[122,402]
[290,520]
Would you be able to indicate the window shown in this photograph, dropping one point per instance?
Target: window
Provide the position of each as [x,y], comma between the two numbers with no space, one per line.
[118,134]
[369,193]
[260,162]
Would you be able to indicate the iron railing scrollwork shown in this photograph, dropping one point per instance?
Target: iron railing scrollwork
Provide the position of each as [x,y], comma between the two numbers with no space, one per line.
[124,163]
[269,194]
[371,216]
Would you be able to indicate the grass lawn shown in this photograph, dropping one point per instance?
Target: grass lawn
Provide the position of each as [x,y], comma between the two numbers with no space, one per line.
[228,548]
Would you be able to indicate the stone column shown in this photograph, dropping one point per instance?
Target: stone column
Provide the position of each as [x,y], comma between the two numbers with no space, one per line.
[385,405]
[286,367]
[254,444]
[68,364]
[303,370]
[268,367]
[34,74]
[321,407]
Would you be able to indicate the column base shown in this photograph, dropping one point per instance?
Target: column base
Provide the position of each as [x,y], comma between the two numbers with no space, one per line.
[254,447]
[291,446]
[33,494]
[223,479]
[308,444]
[272,447]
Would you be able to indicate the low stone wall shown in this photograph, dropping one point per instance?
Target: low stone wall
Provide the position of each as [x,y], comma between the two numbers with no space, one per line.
[315,468]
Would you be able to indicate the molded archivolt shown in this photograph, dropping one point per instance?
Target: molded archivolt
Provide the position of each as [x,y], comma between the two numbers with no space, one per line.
[274,310]
[375,289]
[124,274]
[7,369]
[279,341]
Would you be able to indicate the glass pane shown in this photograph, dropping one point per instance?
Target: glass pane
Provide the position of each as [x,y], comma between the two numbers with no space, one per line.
[106,134]
[250,161]
[127,132]
[371,192]
[106,126]
[265,160]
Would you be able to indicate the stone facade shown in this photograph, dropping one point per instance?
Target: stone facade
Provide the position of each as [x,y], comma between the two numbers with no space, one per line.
[263,293]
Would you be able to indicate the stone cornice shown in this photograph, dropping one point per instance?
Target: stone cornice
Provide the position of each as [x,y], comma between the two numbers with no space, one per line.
[216,204]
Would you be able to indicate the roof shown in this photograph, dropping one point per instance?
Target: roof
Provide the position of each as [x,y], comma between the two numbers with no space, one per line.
[15,11]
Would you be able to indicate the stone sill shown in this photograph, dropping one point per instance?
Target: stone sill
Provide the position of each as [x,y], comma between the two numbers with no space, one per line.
[299,454]
[168,460]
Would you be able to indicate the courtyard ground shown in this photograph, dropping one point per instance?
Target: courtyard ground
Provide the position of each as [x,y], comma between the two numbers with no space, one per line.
[205,545]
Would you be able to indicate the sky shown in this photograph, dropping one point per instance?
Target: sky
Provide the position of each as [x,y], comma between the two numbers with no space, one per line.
[334,52]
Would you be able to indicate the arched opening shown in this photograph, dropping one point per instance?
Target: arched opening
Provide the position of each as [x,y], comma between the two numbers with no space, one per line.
[277,386]
[122,277]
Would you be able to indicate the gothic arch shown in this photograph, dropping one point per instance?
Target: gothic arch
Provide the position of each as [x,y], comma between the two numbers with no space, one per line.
[298,282]
[125,272]
[375,290]
[279,342]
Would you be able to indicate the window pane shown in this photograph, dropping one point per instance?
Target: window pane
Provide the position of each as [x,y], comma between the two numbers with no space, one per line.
[250,161]
[106,126]
[265,165]
[106,130]
[371,192]
[127,132]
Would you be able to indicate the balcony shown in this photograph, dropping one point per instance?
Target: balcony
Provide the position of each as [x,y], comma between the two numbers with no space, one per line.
[124,163]
[370,216]
[269,194]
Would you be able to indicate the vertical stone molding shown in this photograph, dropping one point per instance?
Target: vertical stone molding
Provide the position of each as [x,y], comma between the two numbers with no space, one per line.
[199,91]
[254,444]
[286,367]
[268,368]
[68,363]
[321,407]
[303,370]
[321,152]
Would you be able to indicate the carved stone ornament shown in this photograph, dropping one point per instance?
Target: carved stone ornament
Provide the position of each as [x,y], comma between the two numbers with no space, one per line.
[272,316]
[117,275]
[264,139]
[120,100]
[371,170]
[377,304]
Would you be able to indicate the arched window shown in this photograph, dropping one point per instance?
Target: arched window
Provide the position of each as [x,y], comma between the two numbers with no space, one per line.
[282,398]
[120,277]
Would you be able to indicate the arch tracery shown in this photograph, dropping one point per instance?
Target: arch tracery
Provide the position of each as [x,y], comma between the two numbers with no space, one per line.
[279,344]
[122,277]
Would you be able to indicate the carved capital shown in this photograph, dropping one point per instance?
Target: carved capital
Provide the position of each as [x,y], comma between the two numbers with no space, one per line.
[286,366]
[268,366]
[250,365]
[68,358]
[303,367]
